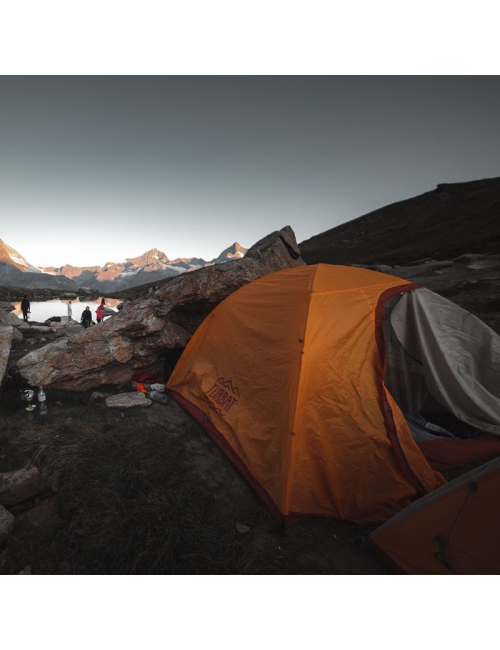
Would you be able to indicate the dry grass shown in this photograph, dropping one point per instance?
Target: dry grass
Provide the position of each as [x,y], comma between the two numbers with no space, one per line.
[150,493]
[128,507]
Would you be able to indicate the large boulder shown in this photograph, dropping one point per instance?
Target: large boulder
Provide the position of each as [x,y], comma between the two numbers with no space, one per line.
[167,318]
[11,320]
[7,319]
[6,337]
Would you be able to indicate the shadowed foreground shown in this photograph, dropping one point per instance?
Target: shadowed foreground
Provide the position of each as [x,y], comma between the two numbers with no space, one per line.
[149,492]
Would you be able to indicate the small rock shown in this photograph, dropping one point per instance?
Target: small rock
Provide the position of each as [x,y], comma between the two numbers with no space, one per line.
[58,403]
[468,257]
[97,395]
[126,400]
[242,529]
[20,485]
[6,522]
[43,339]
[25,572]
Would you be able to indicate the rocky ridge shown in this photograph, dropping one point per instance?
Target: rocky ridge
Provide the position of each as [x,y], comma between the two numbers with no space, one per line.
[453,219]
[447,240]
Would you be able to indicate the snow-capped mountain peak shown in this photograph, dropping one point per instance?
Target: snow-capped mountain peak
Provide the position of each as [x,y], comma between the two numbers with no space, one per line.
[151,266]
[10,256]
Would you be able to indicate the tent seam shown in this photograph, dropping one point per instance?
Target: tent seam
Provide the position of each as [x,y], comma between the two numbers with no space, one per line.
[291,432]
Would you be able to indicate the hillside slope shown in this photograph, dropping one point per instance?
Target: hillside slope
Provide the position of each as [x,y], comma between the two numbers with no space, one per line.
[442,224]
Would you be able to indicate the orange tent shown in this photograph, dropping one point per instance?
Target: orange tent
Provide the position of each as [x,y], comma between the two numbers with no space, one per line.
[454,530]
[286,376]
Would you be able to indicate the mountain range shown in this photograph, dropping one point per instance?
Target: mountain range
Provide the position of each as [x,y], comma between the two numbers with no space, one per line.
[151,266]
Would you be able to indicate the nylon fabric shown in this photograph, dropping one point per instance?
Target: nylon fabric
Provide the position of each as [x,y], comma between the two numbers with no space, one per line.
[288,371]
[466,511]
[460,356]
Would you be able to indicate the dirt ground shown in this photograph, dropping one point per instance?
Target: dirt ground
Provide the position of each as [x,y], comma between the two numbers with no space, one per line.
[144,490]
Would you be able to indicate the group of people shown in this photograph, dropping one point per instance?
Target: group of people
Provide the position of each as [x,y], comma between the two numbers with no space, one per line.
[86,319]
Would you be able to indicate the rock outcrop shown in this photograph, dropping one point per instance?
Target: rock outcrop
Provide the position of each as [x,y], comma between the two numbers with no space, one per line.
[11,320]
[136,336]
[6,337]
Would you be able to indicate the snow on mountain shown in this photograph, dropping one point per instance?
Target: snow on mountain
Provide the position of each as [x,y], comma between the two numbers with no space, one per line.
[151,266]
[236,251]
[10,256]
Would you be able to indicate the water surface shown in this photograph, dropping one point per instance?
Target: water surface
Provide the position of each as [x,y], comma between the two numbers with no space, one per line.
[41,310]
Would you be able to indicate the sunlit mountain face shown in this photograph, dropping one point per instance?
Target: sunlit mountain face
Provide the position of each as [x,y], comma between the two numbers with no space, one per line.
[151,266]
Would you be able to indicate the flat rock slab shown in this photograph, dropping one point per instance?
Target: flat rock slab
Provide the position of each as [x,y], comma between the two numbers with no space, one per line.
[43,328]
[6,522]
[126,400]
[20,485]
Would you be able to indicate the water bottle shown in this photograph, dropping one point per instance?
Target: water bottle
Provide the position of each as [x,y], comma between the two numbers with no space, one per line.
[158,397]
[42,400]
[158,387]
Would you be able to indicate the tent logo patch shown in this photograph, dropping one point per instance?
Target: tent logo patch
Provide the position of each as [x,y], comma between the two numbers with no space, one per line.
[223,395]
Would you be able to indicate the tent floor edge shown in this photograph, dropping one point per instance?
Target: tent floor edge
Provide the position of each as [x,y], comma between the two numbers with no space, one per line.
[205,423]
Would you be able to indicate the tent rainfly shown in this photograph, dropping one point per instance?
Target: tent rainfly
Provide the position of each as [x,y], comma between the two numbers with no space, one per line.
[338,391]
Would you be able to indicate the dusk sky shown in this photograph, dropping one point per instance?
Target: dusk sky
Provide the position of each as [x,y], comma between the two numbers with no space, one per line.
[97,169]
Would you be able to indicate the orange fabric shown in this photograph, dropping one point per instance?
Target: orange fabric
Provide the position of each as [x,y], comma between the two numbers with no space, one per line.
[474,542]
[288,371]
[444,453]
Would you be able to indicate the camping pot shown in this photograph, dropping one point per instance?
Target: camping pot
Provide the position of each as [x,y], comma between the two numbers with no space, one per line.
[27,395]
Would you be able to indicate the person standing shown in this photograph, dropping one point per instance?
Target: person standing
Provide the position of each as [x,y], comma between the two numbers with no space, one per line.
[100,313]
[70,312]
[86,317]
[25,308]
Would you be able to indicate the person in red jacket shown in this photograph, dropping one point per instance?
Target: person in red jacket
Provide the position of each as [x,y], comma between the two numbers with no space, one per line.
[100,313]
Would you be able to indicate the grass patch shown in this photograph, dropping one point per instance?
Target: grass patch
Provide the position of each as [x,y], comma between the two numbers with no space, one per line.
[145,491]
[128,504]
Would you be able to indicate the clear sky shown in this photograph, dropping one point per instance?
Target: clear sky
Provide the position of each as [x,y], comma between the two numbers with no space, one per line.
[97,169]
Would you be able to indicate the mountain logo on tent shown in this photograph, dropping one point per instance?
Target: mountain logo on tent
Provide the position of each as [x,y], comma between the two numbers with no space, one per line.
[223,395]
[228,385]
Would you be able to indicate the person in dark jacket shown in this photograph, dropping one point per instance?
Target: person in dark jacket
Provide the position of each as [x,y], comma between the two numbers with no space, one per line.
[25,308]
[86,317]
